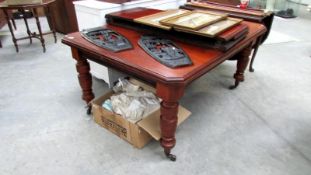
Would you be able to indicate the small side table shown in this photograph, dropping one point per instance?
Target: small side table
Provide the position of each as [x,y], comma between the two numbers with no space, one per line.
[2,23]
[34,7]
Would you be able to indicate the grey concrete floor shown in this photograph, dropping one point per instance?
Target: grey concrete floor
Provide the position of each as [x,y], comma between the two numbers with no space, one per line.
[263,127]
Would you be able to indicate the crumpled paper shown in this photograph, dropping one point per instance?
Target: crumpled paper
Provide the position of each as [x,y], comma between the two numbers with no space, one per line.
[132,102]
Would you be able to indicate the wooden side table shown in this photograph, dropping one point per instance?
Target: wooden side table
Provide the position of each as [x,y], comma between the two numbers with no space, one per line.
[3,21]
[34,7]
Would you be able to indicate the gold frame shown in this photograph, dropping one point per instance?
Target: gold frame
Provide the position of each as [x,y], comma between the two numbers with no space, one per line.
[186,20]
[154,19]
[213,30]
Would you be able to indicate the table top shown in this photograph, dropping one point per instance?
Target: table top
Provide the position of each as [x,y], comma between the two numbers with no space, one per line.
[3,5]
[137,61]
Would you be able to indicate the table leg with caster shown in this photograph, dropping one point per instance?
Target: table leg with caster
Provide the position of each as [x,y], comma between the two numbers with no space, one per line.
[168,123]
[251,69]
[89,109]
[85,78]
[243,60]
[168,119]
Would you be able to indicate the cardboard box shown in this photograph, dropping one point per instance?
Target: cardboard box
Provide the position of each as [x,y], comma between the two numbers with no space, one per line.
[19,2]
[138,134]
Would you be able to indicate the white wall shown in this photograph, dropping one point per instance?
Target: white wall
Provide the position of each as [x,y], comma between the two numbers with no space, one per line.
[306,1]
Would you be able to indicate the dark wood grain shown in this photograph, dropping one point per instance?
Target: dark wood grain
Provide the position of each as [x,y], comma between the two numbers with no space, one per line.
[170,94]
[64,14]
[139,62]
[84,76]
[242,62]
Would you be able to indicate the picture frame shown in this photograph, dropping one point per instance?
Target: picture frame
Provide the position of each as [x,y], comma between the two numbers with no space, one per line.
[193,20]
[214,29]
[154,19]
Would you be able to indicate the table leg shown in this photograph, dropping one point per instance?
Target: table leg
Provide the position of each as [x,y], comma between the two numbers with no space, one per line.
[27,26]
[242,62]
[11,29]
[168,119]
[52,23]
[85,78]
[39,28]
[251,69]
[13,22]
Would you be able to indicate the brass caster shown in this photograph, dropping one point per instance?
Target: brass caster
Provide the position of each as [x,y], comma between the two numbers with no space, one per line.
[89,110]
[236,84]
[172,157]
[232,87]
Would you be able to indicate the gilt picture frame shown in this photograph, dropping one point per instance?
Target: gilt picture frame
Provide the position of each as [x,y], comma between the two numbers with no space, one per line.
[193,20]
[214,29]
[154,19]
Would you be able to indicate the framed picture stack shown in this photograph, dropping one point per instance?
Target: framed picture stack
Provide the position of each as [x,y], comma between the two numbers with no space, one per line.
[204,23]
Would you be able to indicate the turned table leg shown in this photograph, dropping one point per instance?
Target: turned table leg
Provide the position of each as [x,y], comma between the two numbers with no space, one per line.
[39,28]
[27,26]
[168,123]
[85,78]
[11,29]
[251,69]
[50,16]
[13,22]
[168,119]
[242,62]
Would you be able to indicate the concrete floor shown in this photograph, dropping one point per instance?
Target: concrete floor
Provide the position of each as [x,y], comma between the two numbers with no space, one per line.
[263,127]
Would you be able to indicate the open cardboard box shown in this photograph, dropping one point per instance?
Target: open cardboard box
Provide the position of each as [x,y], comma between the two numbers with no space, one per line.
[139,133]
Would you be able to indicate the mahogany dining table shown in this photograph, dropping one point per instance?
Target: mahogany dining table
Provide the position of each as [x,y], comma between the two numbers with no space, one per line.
[170,83]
